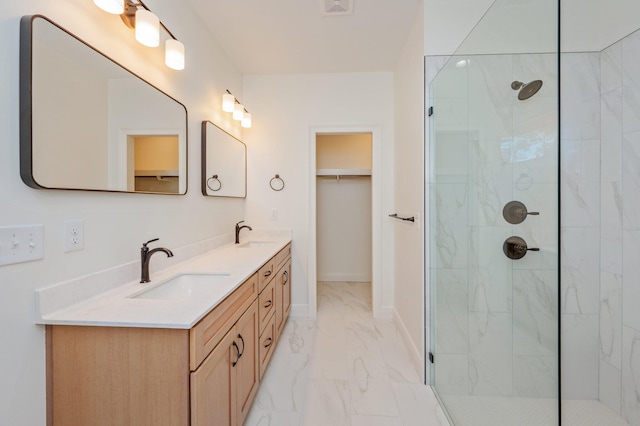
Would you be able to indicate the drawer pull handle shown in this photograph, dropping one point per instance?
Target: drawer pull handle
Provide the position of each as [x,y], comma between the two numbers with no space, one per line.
[242,351]
[268,304]
[269,342]
[285,277]
[266,274]
[233,364]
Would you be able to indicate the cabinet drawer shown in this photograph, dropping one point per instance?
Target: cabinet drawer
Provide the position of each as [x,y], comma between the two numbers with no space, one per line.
[267,343]
[283,256]
[266,304]
[265,274]
[207,333]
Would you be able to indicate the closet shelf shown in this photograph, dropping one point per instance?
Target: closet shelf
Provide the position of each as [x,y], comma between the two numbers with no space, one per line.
[343,172]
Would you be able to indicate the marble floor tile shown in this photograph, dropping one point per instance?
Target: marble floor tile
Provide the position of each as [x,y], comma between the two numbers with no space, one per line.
[342,368]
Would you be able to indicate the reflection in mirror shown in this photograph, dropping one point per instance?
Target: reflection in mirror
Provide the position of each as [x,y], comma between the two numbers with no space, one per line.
[88,123]
[224,163]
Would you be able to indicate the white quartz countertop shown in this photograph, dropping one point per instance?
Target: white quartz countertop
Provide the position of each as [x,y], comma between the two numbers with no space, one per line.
[117,307]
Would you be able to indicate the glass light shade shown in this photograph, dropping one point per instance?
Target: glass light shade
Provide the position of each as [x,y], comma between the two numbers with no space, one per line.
[238,112]
[147,28]
[174,54]
[115,7]
[228,101]
[246,120]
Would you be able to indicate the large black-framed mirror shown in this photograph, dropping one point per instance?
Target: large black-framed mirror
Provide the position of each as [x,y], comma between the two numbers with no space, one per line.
[224,163]
[88,123]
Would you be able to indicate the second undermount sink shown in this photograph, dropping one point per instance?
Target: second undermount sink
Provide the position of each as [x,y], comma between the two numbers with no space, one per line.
[257,243]
[184,286]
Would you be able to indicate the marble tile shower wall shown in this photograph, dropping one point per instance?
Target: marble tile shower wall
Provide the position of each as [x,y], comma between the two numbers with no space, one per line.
[619,299]
[496,318]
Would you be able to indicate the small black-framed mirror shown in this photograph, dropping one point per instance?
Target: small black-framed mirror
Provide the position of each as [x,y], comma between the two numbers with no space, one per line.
[224,163]
[88,123]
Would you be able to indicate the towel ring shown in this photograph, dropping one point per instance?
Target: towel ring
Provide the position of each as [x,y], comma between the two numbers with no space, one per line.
[275,185]
[214,178]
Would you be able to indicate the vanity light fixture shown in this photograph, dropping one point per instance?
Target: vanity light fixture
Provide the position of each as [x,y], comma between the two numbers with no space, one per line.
[246,119]
[231,104]
[115,7]
[136,15]
[238,112]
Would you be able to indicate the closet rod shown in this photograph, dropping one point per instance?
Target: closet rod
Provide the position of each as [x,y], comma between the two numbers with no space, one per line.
[408,219]
[338,177]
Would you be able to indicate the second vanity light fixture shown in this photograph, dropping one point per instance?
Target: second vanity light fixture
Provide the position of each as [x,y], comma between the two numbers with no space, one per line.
[240,113]
[137,15]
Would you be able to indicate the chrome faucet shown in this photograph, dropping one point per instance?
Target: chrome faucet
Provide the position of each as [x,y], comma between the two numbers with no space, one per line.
[145,256]
[239,228]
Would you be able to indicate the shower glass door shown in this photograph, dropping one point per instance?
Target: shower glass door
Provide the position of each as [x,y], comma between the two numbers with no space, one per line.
[493,203]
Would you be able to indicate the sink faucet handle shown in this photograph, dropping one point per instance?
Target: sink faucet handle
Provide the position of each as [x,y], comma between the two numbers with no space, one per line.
[242,221]
[150,241]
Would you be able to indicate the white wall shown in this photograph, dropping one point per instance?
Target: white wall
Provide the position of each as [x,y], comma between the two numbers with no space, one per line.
[343,209]
[447,23]
[285,109]
[343,222]
[409,193]
[115,224]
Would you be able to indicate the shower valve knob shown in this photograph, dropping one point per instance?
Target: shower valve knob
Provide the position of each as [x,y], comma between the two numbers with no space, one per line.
[515,247]
[515,212]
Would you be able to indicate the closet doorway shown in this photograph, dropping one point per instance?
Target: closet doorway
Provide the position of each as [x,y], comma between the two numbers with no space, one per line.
[344,192]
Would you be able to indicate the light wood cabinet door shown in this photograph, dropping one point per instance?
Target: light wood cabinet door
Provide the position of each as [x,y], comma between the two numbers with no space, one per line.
[286,294]
[247,368]
[213,386]
[283,296]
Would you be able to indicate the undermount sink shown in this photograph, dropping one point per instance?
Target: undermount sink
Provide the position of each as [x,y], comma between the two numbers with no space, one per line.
[184,286]
[250,244]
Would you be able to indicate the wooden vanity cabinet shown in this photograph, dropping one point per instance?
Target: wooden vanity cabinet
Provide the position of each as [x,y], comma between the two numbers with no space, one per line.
[283,289]
[224,385]
[207,375]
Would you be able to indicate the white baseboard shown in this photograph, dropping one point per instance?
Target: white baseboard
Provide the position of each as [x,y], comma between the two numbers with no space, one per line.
[299,310]
[416,354]
[386,312]
[331,277]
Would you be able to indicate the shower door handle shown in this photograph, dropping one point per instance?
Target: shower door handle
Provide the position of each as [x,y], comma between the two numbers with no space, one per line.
[515,247]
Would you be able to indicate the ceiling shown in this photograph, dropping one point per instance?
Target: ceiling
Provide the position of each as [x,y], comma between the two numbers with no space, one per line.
[293,36]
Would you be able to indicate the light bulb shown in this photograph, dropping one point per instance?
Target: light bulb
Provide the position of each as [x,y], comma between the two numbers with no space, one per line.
[174,54]
[246,120]
[238,112]
[228,101]
[115,7]
[147,28]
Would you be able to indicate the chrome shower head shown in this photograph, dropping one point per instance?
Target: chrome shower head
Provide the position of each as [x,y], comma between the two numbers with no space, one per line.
[527,90]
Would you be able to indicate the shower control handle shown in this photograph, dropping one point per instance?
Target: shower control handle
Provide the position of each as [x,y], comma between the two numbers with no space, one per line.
[515,247]
[516,212]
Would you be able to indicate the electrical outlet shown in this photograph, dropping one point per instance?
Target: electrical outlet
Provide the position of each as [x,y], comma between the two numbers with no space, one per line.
[73,235]
[21,244]
[274,214]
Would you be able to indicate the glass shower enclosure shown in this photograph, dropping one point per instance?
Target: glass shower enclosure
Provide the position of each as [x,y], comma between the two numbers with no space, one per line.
[493,182]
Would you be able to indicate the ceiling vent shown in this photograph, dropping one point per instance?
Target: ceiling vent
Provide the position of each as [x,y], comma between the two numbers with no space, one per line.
[337,7]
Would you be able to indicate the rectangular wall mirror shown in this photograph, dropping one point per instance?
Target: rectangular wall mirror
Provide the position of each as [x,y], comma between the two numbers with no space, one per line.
[88,123]
[224,163]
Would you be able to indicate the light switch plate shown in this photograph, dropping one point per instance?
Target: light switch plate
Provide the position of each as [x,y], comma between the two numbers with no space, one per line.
[21,244]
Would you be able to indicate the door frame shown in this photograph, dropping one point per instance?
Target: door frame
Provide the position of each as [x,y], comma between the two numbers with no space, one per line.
[376,219]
